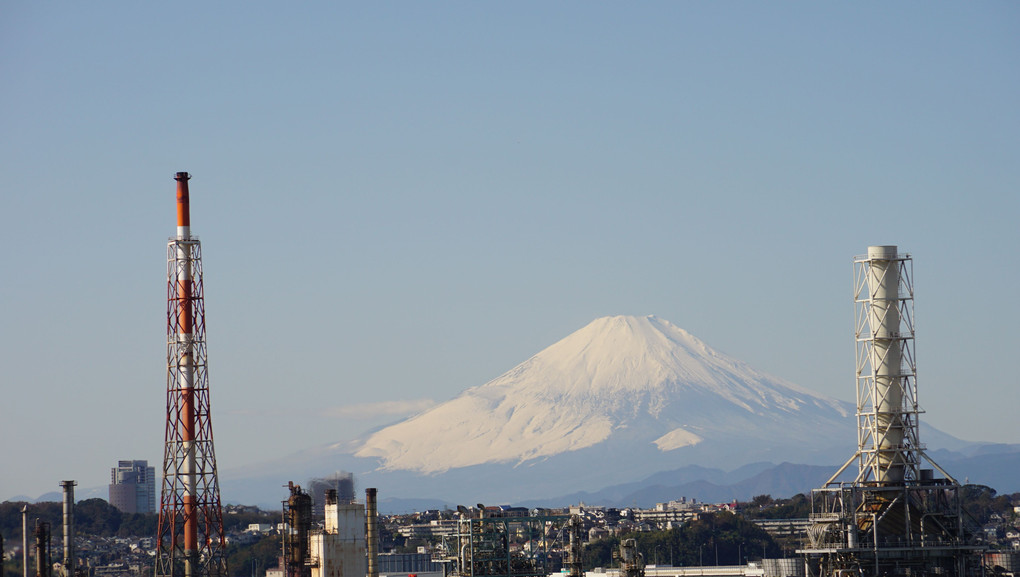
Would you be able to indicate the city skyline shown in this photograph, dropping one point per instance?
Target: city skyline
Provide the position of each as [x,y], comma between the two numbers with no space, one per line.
[399,202]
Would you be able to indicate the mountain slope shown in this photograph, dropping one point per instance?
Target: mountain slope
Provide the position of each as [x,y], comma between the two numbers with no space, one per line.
[636,380]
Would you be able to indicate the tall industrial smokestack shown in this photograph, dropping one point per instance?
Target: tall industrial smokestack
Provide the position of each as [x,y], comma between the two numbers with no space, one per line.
[68,527]
[372,532]
[191,541]
[186,367]
[888,443]
[894,518]
[24,540]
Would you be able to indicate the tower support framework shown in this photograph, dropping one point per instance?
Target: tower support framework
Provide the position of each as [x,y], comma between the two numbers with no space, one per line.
[191,541]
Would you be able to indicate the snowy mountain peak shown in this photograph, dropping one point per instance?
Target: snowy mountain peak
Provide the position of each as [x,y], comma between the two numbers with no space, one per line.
[628,353]
[639,378]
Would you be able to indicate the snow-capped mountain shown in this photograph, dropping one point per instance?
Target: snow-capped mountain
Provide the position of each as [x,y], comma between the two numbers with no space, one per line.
[641,380]
[618,401]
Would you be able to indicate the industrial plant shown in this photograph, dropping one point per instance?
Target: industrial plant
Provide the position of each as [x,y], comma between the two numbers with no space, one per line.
[896,516]
[338,548]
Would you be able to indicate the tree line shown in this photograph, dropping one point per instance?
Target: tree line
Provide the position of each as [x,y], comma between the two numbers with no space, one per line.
[98,518]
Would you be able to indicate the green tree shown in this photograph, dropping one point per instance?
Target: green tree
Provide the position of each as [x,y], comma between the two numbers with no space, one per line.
[137,524]
[10,517]
[97,517]
[796,507]
[981,501]
[600,553]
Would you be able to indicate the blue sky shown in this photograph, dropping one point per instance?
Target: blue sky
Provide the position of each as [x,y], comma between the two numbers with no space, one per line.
[401,200]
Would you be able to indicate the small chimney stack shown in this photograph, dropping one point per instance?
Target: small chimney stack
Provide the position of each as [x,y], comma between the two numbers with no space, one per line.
[372,532]
[68,527]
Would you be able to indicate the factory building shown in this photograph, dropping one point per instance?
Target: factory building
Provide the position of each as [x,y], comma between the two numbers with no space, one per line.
[133,487]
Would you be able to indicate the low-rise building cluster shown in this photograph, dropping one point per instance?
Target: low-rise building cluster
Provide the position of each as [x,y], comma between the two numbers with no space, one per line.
[428,529]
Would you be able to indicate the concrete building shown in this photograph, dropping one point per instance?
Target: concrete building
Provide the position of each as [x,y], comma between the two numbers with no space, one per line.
[133,487]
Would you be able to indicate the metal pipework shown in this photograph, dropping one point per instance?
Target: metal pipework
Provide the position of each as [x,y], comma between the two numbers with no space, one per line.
[632,563]
[69,560]
[884,321]
[372,532]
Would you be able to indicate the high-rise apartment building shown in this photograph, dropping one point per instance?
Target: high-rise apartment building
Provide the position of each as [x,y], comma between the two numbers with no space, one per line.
[133,487]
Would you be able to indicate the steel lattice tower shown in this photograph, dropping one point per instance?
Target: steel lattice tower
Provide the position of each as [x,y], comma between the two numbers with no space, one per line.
[190,533]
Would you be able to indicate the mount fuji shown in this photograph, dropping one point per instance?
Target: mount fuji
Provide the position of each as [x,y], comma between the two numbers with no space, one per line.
[619,400]
[638,382]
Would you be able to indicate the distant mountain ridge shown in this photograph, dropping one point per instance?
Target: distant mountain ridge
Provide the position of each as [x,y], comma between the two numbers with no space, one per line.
[704,485]
[994,465]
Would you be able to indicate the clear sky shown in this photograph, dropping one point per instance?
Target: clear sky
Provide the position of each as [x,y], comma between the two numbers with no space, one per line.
[401,200]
